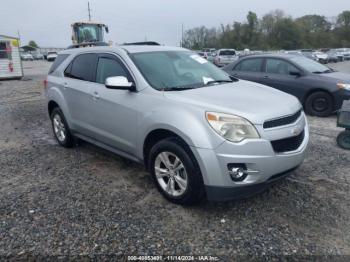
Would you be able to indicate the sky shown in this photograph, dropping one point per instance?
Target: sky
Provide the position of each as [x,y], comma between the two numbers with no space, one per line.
[48,22]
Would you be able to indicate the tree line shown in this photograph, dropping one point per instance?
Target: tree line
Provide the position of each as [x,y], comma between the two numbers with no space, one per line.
[274,31]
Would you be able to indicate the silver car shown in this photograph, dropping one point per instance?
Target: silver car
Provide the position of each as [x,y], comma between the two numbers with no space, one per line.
[198,132]
[225,57]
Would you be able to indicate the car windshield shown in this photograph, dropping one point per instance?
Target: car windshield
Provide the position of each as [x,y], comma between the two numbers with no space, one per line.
[310,65]
[178,70]
[227,52]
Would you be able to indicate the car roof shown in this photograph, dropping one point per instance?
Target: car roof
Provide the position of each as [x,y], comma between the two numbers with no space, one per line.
[127,48]
[287,56]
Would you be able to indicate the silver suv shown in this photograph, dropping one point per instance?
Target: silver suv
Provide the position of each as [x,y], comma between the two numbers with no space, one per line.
[198,131]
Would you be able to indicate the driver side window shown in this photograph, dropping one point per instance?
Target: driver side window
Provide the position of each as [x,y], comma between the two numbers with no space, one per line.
[108,67]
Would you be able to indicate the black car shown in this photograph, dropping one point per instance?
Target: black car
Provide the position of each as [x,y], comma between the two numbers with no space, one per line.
[321,90]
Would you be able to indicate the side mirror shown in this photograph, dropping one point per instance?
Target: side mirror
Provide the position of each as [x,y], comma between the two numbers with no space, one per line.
[295,73]
[119,82]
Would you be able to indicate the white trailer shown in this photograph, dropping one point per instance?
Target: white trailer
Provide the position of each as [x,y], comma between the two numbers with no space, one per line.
[10,59]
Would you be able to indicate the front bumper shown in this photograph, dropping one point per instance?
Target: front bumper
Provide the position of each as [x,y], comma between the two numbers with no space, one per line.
[263,164]
[227,193]
[340,96]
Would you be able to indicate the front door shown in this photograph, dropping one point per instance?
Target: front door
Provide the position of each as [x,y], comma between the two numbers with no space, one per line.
[114,112]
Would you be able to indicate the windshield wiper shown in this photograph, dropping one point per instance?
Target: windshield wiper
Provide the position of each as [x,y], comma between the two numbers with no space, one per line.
[177,88]
[324,72]
[218,82]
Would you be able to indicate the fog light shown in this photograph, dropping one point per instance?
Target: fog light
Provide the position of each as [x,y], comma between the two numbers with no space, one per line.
[238,172]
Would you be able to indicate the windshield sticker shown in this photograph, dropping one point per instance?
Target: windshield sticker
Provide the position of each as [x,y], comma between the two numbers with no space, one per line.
[206,80]
[199,59]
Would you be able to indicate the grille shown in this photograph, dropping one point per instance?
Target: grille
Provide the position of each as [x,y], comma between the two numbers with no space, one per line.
[288,144]
[282,121]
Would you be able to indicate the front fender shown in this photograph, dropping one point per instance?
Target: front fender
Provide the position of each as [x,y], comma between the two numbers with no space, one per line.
[190,125]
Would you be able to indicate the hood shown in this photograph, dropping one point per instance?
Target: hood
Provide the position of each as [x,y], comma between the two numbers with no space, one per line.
[338,77]
[253,101]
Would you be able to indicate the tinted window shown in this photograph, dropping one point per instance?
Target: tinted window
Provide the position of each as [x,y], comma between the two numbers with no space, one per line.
[227,52]
[278,66]
[82,67]
[108,67]
[250,65]
[58,61]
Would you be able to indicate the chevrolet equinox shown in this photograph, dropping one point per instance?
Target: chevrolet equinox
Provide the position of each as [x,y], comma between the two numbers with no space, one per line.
[199,132]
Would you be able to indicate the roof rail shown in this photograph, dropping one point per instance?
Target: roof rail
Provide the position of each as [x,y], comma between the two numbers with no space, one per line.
[142,43]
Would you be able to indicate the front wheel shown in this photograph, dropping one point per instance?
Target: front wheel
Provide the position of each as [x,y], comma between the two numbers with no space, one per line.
[175,172]
[343,139]
[320,104]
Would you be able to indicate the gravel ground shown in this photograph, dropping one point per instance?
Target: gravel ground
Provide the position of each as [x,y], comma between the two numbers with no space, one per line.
[87,201]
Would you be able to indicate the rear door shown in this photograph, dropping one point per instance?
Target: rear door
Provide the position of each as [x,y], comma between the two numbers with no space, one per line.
[249,69]
[78,85]
[278,75]
[114,112]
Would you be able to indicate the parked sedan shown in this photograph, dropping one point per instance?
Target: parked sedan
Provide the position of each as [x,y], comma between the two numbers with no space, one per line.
[38,56]
[27,57]
[320,89]
[334,56]
[51,56]
[321,57]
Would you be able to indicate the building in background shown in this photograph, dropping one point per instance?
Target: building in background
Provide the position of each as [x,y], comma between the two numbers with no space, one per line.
[10,59]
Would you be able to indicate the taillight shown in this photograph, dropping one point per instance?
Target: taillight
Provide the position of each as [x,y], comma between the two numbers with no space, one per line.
[45,83]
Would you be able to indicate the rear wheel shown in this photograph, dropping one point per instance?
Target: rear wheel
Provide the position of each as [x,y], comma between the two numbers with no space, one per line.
[61,129]
[176,172]
[319,104]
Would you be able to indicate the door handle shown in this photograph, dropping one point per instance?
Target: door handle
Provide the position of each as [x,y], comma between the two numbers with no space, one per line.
[95,96]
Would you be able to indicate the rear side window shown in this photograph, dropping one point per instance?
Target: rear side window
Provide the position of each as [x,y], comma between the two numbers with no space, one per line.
[227,52]
[82,67]
[58,61]
[108,67]
[250,65]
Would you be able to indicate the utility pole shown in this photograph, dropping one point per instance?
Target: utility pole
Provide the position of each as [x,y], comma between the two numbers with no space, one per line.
[89,10]
[182,35]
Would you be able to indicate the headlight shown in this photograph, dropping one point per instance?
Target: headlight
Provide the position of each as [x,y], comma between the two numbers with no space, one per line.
[231,127]
[344,86]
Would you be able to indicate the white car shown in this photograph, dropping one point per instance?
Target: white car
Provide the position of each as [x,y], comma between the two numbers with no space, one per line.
[27,57]
[51,56]
[225,57]
[321,57]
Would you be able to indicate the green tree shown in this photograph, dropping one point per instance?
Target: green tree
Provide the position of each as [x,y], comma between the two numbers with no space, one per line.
[33,44]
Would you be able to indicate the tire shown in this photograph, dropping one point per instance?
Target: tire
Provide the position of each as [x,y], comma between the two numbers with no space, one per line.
[343,139]
[320,104]
[188,193]
[61,129]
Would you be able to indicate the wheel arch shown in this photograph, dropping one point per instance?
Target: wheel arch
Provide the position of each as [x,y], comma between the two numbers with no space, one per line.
[154,137]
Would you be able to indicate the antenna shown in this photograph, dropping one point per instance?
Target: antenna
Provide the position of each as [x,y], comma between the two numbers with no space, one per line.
[89,10]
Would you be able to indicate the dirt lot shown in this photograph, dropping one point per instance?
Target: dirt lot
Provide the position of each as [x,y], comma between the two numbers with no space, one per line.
[86,201]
